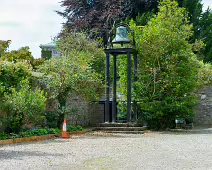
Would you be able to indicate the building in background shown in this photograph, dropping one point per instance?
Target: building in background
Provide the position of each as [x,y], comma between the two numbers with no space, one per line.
[49,50]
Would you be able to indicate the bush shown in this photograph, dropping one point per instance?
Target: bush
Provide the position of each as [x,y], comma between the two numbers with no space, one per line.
[29,133]
[74,128]
[4,136]
[24,106]
[167,67]
[51,119]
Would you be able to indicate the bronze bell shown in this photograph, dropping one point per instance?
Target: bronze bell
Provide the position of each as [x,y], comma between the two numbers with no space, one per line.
[121,36]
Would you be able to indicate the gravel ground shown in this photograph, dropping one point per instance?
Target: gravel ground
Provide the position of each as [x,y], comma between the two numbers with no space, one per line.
[152,150]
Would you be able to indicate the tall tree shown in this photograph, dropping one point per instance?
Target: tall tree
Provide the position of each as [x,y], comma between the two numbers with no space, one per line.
[131,8]
[202,23]
[20,105]
[24,106]
[22,54]
[91,15]
[76,72]
[99,16]
[194,9]
[206,34]
[167,68]
[4,45]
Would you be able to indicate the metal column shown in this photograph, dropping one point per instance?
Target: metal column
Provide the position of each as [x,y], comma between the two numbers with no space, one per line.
[135,114]
[107,89]
[114,90]
[129,87]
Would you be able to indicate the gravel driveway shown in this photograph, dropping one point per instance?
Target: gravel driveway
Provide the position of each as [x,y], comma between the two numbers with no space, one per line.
[152,150]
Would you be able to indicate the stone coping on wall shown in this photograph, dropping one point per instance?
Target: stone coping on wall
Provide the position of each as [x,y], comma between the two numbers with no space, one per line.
[36,138]
[26,139]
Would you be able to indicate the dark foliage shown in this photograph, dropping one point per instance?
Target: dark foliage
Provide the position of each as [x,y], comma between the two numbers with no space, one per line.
[46,54]
[202,24]
[29,133]
[97,16]
[206,35]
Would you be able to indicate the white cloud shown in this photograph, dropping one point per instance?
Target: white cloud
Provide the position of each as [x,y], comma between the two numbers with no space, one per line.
[206,4]
[29,24]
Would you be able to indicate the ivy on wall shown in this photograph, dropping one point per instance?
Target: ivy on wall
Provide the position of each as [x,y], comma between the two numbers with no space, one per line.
[46,54]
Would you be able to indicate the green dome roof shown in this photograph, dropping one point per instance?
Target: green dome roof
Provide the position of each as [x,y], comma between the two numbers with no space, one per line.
[50,45]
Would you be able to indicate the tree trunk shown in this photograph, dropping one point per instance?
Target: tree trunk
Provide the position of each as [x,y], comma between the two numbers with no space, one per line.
[62,104]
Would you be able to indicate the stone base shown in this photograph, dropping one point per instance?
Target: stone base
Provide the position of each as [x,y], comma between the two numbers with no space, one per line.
[120,128]
[120,125]
[127,128]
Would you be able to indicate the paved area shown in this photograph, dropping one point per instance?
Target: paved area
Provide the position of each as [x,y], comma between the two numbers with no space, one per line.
[152,150]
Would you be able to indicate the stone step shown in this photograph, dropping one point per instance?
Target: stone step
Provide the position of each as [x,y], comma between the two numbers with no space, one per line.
[120,125]
[125,132]
[119,128]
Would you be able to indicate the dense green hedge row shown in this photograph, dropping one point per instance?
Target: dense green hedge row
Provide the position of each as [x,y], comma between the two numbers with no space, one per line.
[38,132]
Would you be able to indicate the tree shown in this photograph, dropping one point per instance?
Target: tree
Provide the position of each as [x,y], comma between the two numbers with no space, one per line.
[194,9]
[84,15]
[98,17]
[25,106]
[167,68]
[22,54]
[131,8]
[201,22]
[4,46]
[206,34]
[80,42]
[95,16]
[143,19]
[19,104]
[11,74]
[74,73]
[37,62]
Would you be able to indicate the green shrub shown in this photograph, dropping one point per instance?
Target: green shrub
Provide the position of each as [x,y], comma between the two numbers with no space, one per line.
[29,133]
[54,131]
[40,132]
[74,128]
[4,136]
[23,106]
[167,68]
[51,119]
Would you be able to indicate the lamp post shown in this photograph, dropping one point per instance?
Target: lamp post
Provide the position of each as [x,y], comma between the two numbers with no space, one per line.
[121,38]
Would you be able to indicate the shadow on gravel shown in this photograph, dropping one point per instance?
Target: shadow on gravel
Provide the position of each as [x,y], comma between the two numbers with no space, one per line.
[200,129]
[23,154]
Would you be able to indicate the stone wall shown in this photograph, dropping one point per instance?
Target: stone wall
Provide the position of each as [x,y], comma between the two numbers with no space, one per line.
[85,114]
[204,107]
[81,112]
[96,114]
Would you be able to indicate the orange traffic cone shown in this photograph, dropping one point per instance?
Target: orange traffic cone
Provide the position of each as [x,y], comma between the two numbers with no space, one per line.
[64,131]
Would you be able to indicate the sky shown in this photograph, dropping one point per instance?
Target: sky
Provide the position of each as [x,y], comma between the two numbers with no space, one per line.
[29,23]
[32,23]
